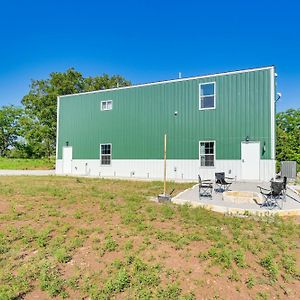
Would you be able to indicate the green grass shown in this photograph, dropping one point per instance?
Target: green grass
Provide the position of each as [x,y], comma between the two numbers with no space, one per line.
[103,239]
[26,164]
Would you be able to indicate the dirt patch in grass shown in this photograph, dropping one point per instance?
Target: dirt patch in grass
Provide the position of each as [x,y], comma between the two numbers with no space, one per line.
[103,239]
[4,206]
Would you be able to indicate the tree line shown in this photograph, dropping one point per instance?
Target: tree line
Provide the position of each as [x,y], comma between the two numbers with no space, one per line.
[288,136]
[29,131]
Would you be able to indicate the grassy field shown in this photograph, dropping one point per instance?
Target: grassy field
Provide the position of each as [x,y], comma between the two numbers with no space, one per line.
[26,164]
[104,239]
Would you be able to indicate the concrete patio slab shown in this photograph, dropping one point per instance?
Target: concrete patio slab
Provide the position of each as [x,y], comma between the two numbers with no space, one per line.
[216,203]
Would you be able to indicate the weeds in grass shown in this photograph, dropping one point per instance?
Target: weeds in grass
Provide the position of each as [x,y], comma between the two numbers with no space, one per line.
[128,245]
[117,283]
[234,276]
[4,245]
[239,258]
[51,281]
[43,237]
[109,245]
[13,286]
[167,212]
[62,255]
[270,265]
[250,282]
[48,219]
[171,292]
[288,263]
[78,215]
[262,296]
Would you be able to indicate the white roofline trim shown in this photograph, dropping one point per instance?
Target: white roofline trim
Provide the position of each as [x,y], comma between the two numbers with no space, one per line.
[172,80]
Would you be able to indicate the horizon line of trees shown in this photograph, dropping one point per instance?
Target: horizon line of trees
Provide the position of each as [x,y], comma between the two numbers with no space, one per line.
[29,131]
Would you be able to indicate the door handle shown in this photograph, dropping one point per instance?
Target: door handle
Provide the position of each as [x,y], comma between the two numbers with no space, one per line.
[243,160]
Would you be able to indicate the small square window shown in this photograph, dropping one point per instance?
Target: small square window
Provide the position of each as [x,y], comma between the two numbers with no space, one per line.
[207,154]
[106,105]
[207,95]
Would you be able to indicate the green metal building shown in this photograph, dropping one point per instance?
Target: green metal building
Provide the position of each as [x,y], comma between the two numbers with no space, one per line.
[218,122]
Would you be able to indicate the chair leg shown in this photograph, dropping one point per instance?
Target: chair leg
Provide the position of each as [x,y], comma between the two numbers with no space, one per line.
[279,201]
[227,186]
[205,192]
[267,202]
[219,188]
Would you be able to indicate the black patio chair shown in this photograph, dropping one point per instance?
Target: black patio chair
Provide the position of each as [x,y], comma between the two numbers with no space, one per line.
[275,196]
[205,187]
[222,184]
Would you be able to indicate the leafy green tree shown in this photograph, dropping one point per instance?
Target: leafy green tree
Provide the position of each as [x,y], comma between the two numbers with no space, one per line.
[9,127]
[40,104]
[288,135]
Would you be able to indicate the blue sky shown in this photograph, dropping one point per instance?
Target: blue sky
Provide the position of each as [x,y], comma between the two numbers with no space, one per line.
[147,40]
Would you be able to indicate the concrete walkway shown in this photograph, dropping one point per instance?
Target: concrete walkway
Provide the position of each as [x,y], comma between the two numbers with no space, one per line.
[217,204]
[27,172]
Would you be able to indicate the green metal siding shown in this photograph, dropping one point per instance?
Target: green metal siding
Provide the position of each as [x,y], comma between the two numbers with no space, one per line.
[141,115]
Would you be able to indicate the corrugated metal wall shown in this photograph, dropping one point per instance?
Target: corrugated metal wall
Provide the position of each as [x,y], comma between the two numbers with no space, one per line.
[142,115]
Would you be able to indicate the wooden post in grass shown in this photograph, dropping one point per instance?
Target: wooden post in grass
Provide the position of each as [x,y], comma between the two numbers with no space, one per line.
[164,197]
[165,164]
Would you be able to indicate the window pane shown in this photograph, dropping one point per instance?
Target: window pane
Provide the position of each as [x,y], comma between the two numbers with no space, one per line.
[209,150]
[207,102]
[106,149]
[202,160]
[109,104]
[202,148]
[105,159]
[209,160]
[207,89]
[103,105]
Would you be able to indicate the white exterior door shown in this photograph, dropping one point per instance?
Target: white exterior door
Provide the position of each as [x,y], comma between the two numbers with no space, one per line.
[250,160]
[67,160]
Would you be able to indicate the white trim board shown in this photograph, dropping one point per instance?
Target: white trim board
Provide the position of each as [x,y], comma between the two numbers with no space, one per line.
[173,80]
[272,78]
[57,126]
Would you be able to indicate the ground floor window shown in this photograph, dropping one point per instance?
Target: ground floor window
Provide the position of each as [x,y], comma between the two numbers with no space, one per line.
[207,154]
[105,154]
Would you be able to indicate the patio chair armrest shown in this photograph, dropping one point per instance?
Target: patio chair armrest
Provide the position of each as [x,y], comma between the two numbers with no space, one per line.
[207,180]
[263,189]
[230,178]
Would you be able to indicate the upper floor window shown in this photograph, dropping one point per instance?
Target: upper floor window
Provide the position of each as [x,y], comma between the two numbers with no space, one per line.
[207,95]
[106,105]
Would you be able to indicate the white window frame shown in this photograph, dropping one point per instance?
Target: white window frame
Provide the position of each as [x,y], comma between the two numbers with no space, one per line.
[100,151]
[214,95]
[209,167]
[106,101]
